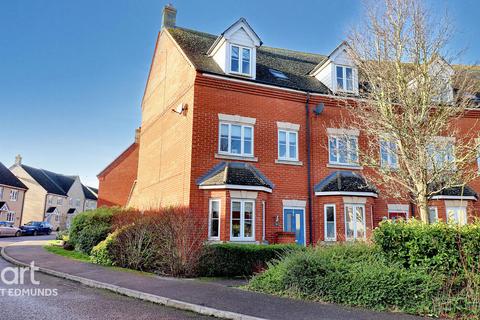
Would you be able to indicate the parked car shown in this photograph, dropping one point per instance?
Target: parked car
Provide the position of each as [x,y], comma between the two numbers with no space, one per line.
[36,228]
[8,230]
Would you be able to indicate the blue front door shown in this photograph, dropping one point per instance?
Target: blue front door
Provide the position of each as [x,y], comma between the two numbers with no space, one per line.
[293,221]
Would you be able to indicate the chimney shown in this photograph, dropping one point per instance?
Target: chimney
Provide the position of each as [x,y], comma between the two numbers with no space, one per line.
[137,135]
[18,160]
[169,16]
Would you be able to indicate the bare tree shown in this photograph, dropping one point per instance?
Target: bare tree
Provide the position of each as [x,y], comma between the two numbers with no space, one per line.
[413,99]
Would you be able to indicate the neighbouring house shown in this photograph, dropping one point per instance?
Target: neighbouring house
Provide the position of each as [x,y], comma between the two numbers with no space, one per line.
[12,196]
[54,197]
[118,178]
[246,136]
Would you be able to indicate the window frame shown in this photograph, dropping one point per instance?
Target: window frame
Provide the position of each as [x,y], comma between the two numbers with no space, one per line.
[388,164]
[210,201]
[328,205]
[242,139]
[287,145]
[456,208]
[242,220]
[240,60]
[344,78]
[2,188]
[355,236]
[349,162]
[12,214]
[13,195]
[436,214]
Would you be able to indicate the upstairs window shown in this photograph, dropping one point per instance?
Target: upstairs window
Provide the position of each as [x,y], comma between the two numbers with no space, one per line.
[344,78]
[236,139]
[1,192]
[388,154]
[240,58]
[343,150]
[441,154]
[13,195]
[287,145]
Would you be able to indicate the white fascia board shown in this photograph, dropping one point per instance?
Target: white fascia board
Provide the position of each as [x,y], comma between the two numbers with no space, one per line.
[347,193]
[236,187]
[453,198]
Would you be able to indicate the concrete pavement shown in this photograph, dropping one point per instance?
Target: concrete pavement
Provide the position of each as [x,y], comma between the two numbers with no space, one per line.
[233,302]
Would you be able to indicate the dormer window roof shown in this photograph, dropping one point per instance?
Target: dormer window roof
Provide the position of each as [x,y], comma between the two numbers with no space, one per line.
[337,71]
[235,49]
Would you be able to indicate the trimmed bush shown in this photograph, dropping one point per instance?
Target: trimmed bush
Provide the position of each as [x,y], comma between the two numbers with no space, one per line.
[350,274]
[168,241]
[440,247]
[100,254]
[233,260]
[91,227]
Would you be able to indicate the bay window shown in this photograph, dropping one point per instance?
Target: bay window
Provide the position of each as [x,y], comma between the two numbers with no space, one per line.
[242,226]
[432,215]
[343,150]
[355,225]
[330,223]
[457,215]
[214,220]
[236,139]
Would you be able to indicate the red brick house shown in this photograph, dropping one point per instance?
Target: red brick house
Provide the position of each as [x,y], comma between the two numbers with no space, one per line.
[118,178]
[247,136]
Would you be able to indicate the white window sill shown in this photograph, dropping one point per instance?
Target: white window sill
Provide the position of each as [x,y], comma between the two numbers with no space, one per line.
[241,241]
[235,157]
[214,240]
[344,166]
[290,162]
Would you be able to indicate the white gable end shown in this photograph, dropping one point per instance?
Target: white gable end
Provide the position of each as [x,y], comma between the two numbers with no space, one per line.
[241,37]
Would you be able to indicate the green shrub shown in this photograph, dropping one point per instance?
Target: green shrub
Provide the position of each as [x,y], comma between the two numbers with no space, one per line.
[231,260]
[350,274]
[440,247]
[100,254]
[91,227]
[62,235]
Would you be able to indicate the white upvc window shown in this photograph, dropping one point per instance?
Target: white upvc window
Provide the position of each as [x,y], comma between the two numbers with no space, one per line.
[388,154]
[457,215]
[240,60]
[432,215]
[59,201]
[77,203]
[287,145]
[355,224]
[343,150]
[13,195]
[441,153]
[236,139]
[10,216]
[50,200]
[345,79]
[242,222]
[330,222]
[214,219]
[1,192]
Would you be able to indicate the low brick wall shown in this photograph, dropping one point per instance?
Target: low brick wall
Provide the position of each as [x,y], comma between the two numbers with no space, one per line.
[284,237]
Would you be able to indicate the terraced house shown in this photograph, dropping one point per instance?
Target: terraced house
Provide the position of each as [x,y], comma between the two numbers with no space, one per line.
[53,197]
[247,136]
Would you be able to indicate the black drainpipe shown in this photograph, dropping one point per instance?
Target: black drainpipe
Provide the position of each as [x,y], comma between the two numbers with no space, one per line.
[309,170]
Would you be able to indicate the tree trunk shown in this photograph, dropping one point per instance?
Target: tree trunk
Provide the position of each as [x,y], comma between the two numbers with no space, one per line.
[422,203]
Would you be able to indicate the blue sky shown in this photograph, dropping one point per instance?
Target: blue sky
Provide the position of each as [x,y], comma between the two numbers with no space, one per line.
[72,73]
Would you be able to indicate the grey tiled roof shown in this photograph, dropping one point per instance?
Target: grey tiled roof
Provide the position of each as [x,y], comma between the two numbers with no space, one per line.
[235,173]
[295,65]
[52,182]
[7,178]
[344,181]
[458,191]
[88,193]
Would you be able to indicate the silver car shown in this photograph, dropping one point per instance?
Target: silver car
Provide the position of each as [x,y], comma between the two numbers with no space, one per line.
[8,230]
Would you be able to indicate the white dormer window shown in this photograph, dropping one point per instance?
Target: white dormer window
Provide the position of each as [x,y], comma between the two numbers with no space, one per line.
[235,50]
[240,58]
[344,78]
